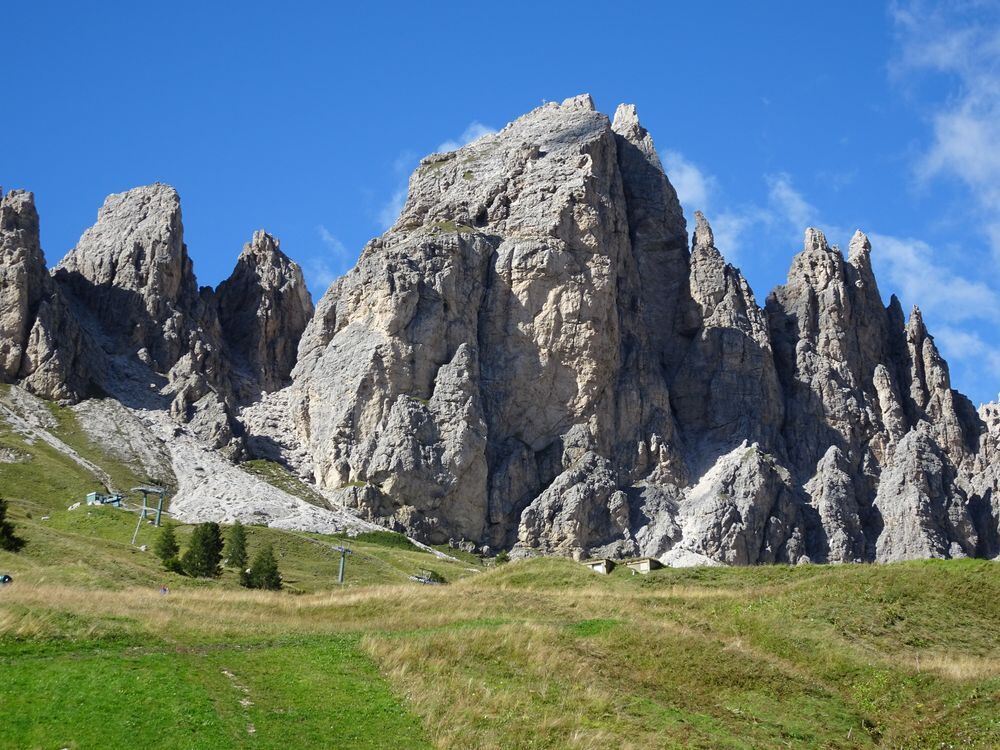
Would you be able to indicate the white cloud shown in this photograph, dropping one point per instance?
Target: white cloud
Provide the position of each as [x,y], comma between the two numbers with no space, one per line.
[911,269]
[788,204]
[960,345]
[694,187]
[728,229]
[473,132]
[388,214]
[697,190]
[786,211]
[971,357]
[962,43]
[322,270]
[403,164]
[335,245]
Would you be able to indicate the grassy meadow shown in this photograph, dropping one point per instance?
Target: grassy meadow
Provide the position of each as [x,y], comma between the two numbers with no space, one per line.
[533,654]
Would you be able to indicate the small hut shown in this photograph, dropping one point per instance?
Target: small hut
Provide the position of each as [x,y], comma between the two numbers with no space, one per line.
[98,498]
[644,565]
[602,565]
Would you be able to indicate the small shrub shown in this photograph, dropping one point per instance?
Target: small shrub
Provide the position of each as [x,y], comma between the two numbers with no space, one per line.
[502,557]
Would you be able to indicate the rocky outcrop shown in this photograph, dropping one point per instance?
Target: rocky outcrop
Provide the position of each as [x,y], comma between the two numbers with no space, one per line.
[204,351]
[264,307]
[41,346]
[744,510]
[132,271]
[508,266]
[122,315]
[132,274]
[726,389]
[535,358]
[613,392]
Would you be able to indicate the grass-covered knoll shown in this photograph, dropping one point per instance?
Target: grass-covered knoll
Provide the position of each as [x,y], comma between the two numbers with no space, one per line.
[43,478]
[278,476]
[90,546]
[543,653]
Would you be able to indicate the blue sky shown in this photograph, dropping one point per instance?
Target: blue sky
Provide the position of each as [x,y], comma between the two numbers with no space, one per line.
[307,119]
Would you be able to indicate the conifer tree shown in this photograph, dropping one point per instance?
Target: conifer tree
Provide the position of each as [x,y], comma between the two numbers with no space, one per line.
[236,546]
[203,555]
[167,548]
[8,539]
[264,572]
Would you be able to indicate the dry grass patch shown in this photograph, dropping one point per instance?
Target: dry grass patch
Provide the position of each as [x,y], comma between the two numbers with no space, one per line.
[961,667]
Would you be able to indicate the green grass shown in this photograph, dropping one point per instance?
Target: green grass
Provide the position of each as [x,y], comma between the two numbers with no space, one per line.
[331,696]
[468,558]
[451,226]
[278,476]
[534,654]
[384,539]
[90,546]
[540,653]
[47,479]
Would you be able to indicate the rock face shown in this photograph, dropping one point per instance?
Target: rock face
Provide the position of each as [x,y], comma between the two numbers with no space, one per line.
[132,274]
[132,270]
[534,357]
[264,307]
[41,345]
[122,315]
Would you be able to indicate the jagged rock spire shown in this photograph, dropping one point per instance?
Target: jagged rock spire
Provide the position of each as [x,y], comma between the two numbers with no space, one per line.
[132,270]
[703,236]
[535,357]
[860,248]
[815,240]
[41,345]
[264,306]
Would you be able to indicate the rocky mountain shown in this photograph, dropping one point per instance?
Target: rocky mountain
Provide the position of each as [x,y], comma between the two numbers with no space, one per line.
[41,344]
[534,357]
[122,316]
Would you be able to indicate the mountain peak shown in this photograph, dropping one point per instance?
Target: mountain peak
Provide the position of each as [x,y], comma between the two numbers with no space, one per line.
[703,236]
[581,101]
[538,357]
[815,240]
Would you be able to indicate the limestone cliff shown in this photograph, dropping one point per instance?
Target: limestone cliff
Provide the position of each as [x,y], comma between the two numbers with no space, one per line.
[534,357]
[122,315]
[41,345]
